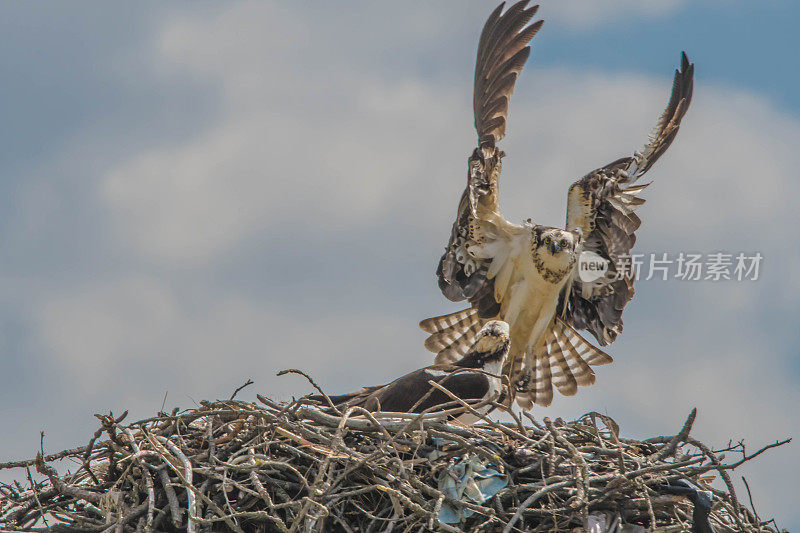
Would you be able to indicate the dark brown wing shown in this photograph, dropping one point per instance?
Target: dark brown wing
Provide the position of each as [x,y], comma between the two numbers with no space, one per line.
[502,52]
[601,205]
[403,394]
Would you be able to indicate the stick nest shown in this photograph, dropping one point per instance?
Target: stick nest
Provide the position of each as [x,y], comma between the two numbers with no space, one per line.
[239,466]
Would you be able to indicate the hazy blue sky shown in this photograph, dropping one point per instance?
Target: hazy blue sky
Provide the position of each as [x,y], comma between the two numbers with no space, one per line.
[198,193]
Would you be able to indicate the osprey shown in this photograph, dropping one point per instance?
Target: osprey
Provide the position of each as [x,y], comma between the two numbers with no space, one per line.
[473,378]
[526,274]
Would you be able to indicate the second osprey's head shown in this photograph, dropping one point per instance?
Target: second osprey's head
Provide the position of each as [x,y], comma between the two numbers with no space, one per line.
[554,251]
[492,342]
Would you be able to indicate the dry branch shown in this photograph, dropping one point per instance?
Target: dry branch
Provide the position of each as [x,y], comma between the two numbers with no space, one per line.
[238,466]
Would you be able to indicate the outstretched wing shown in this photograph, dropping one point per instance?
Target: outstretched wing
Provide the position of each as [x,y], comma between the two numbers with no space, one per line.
[601,205]
[502,52]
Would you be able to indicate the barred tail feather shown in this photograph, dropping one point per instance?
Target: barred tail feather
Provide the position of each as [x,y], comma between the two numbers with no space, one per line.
[452,335]
[457,346]
[542,388]
[441,323]
[563,361]
[563,377]
[442,339]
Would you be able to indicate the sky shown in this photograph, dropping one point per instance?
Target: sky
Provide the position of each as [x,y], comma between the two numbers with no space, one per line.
[196,193]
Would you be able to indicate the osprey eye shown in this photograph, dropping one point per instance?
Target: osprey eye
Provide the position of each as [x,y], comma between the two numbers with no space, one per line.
[563,243]
[547,240]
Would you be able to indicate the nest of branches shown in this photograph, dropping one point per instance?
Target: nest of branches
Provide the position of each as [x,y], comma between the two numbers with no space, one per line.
[267,466]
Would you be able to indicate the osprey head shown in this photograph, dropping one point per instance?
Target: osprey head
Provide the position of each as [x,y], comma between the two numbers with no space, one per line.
[493,341]
[554,251]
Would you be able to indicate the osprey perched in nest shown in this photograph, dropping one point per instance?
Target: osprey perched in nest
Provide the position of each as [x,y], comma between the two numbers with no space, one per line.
[526,274]
[473,378]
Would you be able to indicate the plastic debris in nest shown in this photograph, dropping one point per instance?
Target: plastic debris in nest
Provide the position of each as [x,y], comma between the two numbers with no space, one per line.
[468,480]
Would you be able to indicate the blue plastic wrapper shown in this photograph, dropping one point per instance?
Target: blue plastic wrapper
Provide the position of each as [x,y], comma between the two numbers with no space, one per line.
[469,481]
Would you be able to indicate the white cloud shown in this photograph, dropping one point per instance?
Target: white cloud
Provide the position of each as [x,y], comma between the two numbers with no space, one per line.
[381,145]
[297,131]
[142,328]
[104,324]
[260,170]
[718,166]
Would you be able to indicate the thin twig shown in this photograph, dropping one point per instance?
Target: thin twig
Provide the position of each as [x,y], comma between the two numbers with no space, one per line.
[232,466]
[246,384]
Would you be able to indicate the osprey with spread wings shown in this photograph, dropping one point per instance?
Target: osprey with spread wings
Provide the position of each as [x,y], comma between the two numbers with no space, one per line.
[527,274]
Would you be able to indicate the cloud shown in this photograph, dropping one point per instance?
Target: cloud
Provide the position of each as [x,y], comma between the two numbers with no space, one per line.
[264,160]
[260,169]
[299,131]
[144,329]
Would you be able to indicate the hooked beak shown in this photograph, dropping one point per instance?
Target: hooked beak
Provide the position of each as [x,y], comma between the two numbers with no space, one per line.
[555,248]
